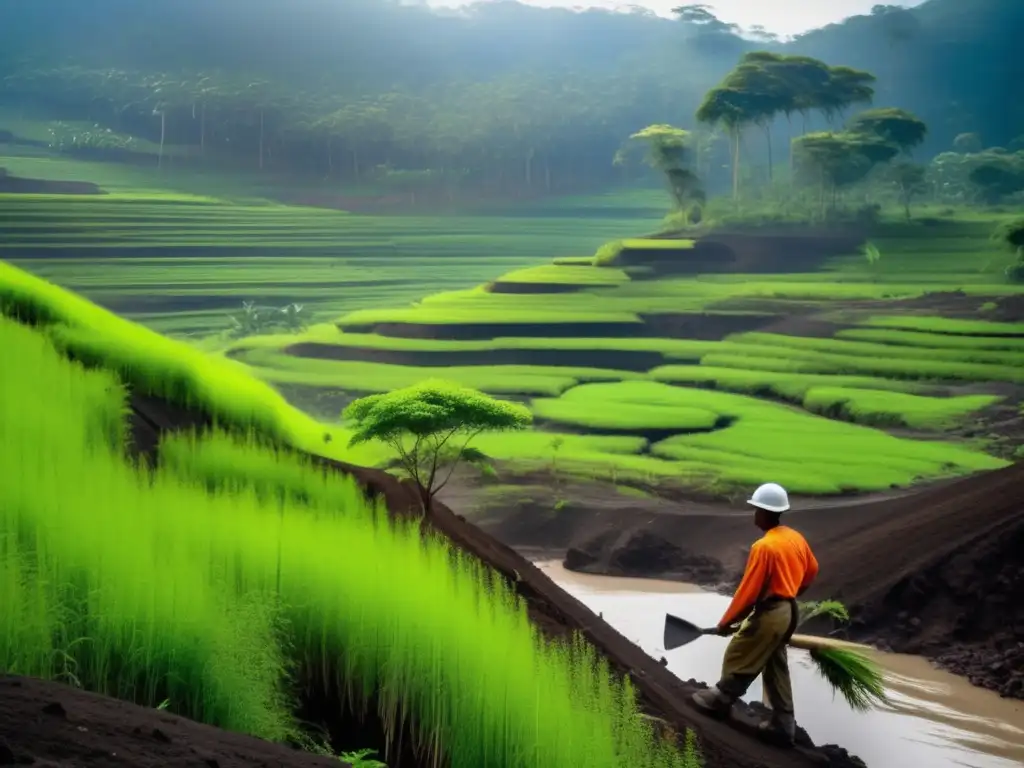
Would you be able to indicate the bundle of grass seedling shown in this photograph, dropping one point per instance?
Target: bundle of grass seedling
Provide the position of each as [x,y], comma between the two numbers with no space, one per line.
[231,577]
[847,669]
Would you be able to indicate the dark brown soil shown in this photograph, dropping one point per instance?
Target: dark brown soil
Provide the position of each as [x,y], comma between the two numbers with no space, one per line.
[485,331]
[56,726]
[747,253]
[937,572]
[557,614]
[620,360]
[15,185]
[705,326]
[499,286]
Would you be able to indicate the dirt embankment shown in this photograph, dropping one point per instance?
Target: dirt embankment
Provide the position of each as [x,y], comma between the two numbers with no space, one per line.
[937,572]
[556,613]
[48,724]
[16,185]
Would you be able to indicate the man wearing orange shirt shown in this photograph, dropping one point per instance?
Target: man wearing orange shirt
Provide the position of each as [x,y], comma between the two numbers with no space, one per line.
[780,568]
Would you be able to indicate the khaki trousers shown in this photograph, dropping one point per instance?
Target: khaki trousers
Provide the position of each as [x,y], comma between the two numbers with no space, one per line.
[759,648]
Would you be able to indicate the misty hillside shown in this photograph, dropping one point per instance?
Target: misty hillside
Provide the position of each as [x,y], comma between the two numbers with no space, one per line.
[546,95]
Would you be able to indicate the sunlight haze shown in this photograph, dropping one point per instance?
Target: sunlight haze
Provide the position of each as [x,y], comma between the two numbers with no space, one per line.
[783,17]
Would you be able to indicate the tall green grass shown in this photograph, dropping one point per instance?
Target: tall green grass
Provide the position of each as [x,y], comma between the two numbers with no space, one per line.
[888,409]
[932,340]
[232,572]
[788,386]
[153,364]
[948,325]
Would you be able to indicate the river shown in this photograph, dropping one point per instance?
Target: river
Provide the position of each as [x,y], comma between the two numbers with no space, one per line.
[933,719]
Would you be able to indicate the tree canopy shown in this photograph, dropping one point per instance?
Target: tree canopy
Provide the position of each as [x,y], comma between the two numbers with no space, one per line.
[430,426]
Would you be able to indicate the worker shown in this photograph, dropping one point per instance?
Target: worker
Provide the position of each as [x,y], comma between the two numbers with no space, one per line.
[779,569]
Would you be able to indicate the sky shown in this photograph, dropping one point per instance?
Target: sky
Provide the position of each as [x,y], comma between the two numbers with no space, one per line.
[783,17]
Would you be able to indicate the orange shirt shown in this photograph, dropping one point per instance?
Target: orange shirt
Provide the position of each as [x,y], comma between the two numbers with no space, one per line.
[781,564]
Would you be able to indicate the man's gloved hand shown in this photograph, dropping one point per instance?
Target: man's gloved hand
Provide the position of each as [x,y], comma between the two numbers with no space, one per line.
[726,630]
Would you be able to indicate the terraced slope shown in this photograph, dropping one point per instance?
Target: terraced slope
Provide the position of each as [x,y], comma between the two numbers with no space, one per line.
[156,249]
[617,357]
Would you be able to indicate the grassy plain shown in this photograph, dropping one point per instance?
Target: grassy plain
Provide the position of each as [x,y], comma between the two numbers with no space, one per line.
[180,251]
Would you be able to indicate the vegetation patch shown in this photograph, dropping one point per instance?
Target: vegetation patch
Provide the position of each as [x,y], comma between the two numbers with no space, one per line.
[579,411]
[895,409]
[809,453]
[789,360]
[932,341]
[787,386]
[961,354]
[946,325]
[155,365]
[572,275]
[380,377]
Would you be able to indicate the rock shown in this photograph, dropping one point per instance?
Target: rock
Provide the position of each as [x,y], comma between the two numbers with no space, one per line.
[577,559]
[55,709]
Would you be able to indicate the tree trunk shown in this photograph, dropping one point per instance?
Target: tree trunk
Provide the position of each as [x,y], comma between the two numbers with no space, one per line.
[768,137]
[261,139]
[163,136]
[736,165]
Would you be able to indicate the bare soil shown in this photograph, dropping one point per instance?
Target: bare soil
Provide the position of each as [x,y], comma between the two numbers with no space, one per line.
[50,725]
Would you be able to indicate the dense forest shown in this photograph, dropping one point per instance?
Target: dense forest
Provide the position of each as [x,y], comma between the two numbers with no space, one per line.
[499,95]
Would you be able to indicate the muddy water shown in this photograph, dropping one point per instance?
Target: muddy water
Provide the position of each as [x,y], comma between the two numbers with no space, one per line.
[934,719]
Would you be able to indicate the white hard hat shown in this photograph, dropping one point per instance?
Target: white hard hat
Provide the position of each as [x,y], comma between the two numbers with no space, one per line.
[770,496]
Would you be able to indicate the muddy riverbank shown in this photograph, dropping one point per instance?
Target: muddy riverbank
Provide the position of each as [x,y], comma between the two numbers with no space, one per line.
[934,718]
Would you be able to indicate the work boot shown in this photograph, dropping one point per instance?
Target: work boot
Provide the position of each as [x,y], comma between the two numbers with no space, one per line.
[780,729]
[713,702]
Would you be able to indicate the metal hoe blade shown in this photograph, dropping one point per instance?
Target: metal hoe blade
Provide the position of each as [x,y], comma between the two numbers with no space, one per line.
[680,632]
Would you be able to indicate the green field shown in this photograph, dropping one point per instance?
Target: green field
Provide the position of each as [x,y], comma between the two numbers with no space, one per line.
[874,370]
[180,252]
[498,302]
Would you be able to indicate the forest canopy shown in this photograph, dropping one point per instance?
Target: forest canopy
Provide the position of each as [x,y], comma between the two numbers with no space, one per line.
[499,93]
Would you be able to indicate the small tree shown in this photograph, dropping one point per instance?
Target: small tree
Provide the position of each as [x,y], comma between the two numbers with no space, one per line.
[909,180]
[430,426]
[669,150]
[1012,234]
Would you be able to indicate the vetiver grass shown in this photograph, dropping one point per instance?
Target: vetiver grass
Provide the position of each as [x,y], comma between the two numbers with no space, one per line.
[381,377]
[156,365]
[623,417]
[946,325]
[889,409]
[787,386]
[796,361]
[811,454]
[562,274]
[152,226]
[881,351]
[207,581]
[329,334]
[931,340]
